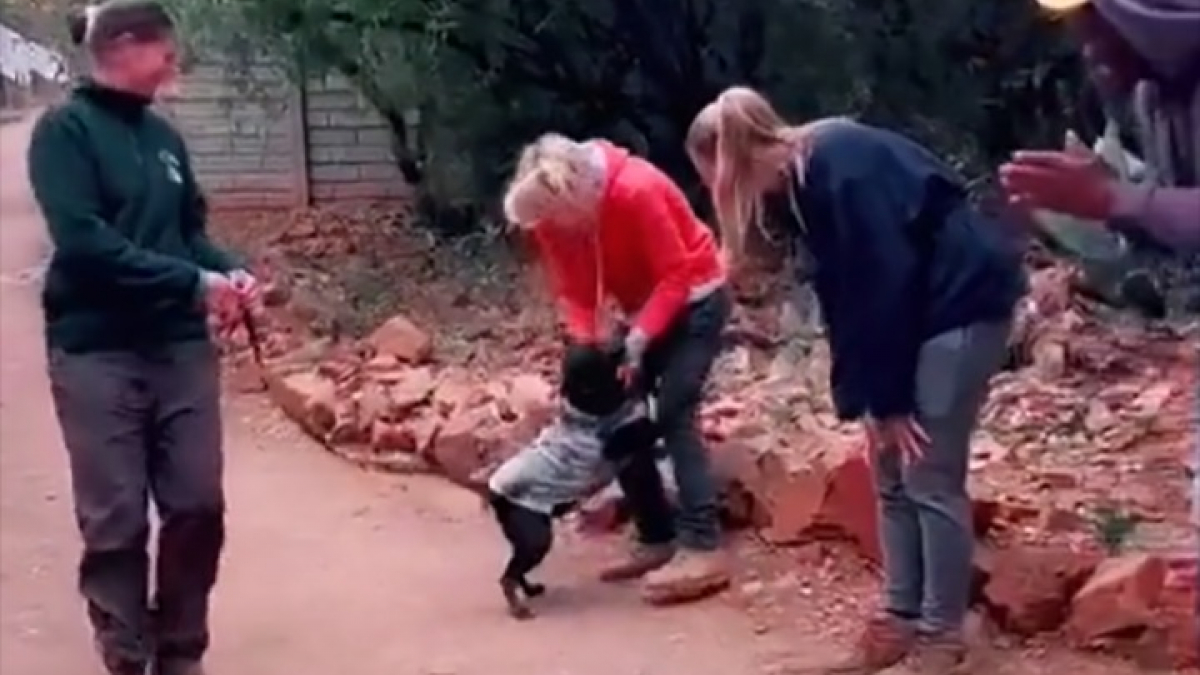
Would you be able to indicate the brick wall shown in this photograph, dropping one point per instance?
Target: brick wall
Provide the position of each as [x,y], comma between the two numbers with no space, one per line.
[349,146]
[243,139]
[258,141]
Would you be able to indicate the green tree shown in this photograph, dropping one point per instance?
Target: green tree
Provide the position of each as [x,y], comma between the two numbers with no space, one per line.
[975,80]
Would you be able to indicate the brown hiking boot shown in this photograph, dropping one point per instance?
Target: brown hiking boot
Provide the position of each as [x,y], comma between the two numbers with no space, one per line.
[641,560]
[942,656]
[691,575]
[955,653]
[885,642]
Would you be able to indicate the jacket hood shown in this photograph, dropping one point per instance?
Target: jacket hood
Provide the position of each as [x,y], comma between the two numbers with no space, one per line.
[1165,33]
[615,159]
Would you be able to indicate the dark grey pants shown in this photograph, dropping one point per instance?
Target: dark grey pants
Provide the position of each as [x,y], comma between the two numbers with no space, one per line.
[676,369]
[928,540]
[142,426]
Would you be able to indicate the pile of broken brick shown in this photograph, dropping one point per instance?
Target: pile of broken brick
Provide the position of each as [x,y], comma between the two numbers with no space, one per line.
[1098,416]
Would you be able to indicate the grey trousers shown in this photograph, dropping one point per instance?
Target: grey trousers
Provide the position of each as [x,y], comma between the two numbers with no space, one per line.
[926,526]
[676,369]
[141,427]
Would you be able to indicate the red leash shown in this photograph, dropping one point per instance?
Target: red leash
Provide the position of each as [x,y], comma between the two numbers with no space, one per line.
[253,336]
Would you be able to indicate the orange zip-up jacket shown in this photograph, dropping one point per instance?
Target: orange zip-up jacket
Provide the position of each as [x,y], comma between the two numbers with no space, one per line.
[654,254]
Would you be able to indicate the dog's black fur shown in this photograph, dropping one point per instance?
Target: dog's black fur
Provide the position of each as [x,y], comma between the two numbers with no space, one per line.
[591,383]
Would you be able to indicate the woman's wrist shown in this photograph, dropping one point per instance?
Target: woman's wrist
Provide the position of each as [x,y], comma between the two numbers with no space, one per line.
[1128,203]
[635,345]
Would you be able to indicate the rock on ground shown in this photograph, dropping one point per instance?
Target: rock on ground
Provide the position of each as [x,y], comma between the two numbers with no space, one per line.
[1082,450]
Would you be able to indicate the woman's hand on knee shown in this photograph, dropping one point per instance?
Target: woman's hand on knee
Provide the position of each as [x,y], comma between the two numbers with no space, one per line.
[902,433]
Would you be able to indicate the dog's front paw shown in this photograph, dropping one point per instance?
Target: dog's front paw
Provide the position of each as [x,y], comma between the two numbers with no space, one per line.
[534,590]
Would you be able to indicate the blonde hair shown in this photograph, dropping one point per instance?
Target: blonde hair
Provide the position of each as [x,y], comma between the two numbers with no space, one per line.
[746,145]
[552,173]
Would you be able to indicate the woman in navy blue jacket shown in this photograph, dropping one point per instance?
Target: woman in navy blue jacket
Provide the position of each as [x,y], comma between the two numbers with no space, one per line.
[917,295]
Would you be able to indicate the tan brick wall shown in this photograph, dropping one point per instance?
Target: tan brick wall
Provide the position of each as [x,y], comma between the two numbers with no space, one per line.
[243,143]
[275,146]
[349,146]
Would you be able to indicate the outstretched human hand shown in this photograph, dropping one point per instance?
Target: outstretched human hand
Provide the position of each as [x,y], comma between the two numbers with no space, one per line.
[1071,182]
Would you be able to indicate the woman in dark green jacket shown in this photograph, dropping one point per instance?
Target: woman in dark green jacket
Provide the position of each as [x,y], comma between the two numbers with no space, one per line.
[135,378]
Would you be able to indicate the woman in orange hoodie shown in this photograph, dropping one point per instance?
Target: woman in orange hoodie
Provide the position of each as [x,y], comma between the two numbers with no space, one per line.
[611,226]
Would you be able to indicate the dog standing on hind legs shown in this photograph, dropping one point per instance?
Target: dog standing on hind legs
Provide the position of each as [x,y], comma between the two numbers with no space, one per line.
[531,534]
[601,425]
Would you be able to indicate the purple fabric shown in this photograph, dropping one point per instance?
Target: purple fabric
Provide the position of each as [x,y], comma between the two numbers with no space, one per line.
[1166,33]
[1172,215]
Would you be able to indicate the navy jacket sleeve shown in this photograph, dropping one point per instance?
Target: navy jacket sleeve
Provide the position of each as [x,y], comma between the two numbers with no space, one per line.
[66,189]
[877,338]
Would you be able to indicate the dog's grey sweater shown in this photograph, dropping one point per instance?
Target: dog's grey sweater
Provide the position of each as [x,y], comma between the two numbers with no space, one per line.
[564,463]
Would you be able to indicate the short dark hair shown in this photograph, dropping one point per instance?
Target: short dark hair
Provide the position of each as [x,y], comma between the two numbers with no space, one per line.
[99,27]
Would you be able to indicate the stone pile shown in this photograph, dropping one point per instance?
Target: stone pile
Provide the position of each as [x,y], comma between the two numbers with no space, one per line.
[1090,416]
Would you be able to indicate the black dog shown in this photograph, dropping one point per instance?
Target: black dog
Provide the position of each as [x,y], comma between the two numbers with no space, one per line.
[601,425]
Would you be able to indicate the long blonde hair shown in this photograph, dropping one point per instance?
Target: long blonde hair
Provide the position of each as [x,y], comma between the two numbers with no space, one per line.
[553,173]
[742,147]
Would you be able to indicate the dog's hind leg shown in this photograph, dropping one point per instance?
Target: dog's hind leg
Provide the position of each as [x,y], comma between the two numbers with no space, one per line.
[518,608]
[532,589]
[531,535]
[538,537]
[512,581]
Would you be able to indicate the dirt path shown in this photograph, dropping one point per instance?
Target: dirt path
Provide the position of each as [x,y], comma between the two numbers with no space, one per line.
[326,565]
